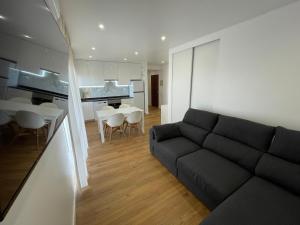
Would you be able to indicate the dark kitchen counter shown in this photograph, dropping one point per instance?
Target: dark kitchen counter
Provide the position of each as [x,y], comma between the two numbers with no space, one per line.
[104,98]
[36,90]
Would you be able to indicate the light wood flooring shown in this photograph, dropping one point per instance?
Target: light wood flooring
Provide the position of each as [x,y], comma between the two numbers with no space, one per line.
[128,186]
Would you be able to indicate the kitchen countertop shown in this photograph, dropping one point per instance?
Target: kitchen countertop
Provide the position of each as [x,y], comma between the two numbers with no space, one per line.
[36,90]
[96,99]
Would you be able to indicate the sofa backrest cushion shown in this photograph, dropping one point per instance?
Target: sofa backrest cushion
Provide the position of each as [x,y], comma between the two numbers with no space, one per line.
[237,152]
[279,171]
[253,134]
[199,118]
[240,141]
[286,144]
[195,134]
[281,164]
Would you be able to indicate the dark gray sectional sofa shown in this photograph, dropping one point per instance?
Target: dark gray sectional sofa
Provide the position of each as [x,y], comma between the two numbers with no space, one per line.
[246,173]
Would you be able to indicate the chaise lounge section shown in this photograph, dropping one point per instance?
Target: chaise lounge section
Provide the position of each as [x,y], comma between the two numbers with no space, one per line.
[247,173]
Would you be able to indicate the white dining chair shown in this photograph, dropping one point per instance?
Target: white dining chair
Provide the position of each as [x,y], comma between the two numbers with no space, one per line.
[31,121]
[124,106]
[49,105]
[107,107]
[115,123]
[4,118]
[133,120]
[21,100]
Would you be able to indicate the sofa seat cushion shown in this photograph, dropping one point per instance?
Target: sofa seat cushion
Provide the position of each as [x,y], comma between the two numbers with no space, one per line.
[215,176]
[257,202]
[170,150]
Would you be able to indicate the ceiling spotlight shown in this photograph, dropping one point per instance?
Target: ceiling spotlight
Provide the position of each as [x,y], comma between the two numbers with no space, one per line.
[162,62]
[90,56]
[125,59]
[163,38]
[101,26]
[2,17]
[136,52]
[93,48]
[27,36]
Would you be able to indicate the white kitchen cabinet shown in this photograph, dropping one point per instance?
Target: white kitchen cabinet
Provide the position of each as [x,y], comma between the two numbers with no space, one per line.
[111,71]
[29,58]
[129,101]
[13,93]
[88,111]
[129,71]
[54,61]
[95,70]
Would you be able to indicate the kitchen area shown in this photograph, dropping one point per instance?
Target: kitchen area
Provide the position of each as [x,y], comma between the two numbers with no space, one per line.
[109,84]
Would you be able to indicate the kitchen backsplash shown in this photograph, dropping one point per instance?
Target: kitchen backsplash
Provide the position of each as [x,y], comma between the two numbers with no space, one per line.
[110,89]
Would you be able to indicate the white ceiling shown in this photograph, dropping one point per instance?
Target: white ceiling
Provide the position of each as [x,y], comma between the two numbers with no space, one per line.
[31,17]
[138,24]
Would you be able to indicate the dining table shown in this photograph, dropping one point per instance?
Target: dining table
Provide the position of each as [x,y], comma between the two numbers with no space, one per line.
[51,115]
[102,115]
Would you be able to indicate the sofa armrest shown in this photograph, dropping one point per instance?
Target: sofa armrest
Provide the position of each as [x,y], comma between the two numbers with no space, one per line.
[166,131]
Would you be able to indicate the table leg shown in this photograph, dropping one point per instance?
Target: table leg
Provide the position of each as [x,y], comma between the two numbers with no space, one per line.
[101,130]
[143,122]
[51,129]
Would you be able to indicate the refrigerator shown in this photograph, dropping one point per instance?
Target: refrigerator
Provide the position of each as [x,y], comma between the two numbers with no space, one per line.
[137,92]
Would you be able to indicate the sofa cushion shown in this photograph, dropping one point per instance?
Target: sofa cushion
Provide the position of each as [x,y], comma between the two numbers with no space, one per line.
[196,134]
[200,118]
[286,144]
[280,171]
[256,135]
[237,152]
[166,131]
[257,202]
[170,150]
[214,175]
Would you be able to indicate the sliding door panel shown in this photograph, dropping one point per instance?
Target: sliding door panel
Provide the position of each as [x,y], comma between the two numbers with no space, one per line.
[181,84]
[204,75]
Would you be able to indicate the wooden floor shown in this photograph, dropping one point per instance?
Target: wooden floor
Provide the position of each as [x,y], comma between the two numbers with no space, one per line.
[128,186]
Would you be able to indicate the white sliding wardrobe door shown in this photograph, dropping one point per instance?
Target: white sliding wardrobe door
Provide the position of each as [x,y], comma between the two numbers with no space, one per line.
[204,75]
[181,82]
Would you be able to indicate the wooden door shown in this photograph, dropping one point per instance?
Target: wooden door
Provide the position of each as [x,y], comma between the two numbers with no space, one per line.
[154,90]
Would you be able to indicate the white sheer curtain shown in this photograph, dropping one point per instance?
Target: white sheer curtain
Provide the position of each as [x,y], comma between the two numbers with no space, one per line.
[78,131]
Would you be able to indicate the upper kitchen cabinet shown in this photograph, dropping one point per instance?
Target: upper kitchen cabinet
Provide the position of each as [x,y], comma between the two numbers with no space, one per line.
[90,73]
[54,61]
[111,70]
[29,57]
[129,71]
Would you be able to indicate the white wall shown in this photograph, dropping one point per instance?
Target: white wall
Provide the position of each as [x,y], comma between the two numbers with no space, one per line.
[258,70]
[48,196]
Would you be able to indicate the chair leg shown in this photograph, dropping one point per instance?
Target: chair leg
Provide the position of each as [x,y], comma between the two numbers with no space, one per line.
[37,139]
[111,129]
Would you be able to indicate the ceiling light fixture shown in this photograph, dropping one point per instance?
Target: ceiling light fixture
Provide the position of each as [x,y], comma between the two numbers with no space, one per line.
[93,48]
[101,26]
[27,36]
[2,17]
[162,62]
[125,59]
[90,57]
[163,38]
[136,52]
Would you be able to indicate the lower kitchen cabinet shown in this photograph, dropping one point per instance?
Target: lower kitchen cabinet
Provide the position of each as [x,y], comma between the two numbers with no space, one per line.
[61,103]
[88,111]
[129,101]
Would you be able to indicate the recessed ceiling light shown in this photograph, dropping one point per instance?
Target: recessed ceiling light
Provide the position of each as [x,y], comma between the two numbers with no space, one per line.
[93,48]
[125,59]
[101,26]
[163,38]
[162,62]
[136,52]
[90,57]
[2,17]
[27,36]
